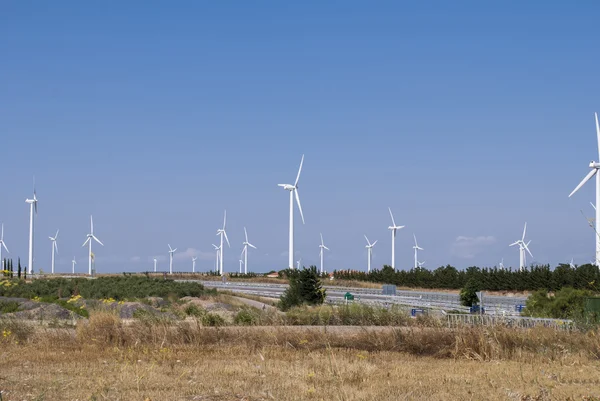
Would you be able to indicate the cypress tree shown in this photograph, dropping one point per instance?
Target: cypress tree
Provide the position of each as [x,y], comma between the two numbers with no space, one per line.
[19,269]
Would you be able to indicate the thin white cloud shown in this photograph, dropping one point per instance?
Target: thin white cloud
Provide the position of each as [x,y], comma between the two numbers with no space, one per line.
[469,247]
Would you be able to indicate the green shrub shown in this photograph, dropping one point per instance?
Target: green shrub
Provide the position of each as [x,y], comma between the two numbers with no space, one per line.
[567,303]
[247,317]
[212,320]
[9,306]
[194,310]
[80,310]
[304,288]
[468,295]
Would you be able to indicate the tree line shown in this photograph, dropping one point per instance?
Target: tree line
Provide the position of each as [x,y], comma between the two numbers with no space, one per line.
[536,277]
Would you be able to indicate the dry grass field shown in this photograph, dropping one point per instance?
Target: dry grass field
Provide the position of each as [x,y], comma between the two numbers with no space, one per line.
[103,359]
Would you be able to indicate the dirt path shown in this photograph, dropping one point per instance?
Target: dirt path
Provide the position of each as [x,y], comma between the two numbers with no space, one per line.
[254,304]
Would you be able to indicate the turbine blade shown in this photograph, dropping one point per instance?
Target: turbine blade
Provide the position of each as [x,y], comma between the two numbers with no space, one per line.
[586,179]
[367,240]
[2,235]
[170,249]
[514,243]
[4,245]
[299,171]
[252,246]
[415,237]
[86,241]
[524,231]
[281,185]
[246,234]
[373,244]
[594,206]
[392,216]
[56,236]
[527,248]
[91,224]
[55,246]
[324,247]
[597,133]
[322,243]
[224,219]
[299,205]
[216,247]
[226,239]
[97,240]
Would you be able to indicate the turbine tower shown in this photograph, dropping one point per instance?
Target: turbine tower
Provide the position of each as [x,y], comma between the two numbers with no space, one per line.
[74,262]
[2,245]
[218,250]
[293,191]
[171,252]
[222,233]
[54,248]
[245,252]
[417,248]
[32,206]
[322,247]
[89,241]
[393,228]
[155,260]
[369,253]
[595,166]
[194,264]
[241,262]
[523,246]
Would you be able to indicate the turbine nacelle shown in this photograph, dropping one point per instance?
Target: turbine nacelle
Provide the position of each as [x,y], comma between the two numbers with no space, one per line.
[288,187]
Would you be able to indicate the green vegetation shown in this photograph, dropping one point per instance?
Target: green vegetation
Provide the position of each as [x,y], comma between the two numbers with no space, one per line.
[8,306]
[304,288]
[468,295]
[353,314]
[247,317]
[117,288]
[567,303]
[213,320]
[584,277]
[194,310]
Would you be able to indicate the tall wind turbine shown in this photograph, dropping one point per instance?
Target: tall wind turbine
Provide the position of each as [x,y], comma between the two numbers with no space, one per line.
[171,252]
[595,166]
[369,253]
[322,248]
[293,191]
[393,228]
[245,252]
[54,248]
[73,262]
[194,264]
[32,206]
[417,248]
[155,261]
[523,246]
[218,250]
[2,245]
[222,233]
[89,241]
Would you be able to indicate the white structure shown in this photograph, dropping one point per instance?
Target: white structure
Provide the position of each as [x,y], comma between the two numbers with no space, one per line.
[298,263]
[245,252]
[241,263]
[571,264]
[322,249]
[194,264]
[417,248]
[2,245]
[522,248]
[293,191]
[54,248]
[594,166]
[155,261]
[32,206]
[222,233]
[218,250]
[369,253]
[420,264]
[73,262]
[393,228]
[501,265]
[171,253]
[89,241]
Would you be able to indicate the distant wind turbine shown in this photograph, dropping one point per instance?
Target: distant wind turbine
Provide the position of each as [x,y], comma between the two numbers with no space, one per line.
[155,261]
[417,248]
[293,191]
[218,249]
[571,264]
[88,242]
[245,252]
[522,248]
[171,252]
[501,265]
[393,229]
[369,253]
[298,263]
[2,245]
[322,248]
[420,264]
[32,206]
[241,263]
[595,166]
[194,264]
[54,248]
[74,262]
[222,233]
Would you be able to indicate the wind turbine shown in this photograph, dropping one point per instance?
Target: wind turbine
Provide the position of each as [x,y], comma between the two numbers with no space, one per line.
[571,264]
[369,253]
[194,264]
[89,241]
[171,253]
[32,206]
[322,247]
[155,260]
[241,262]
[74,262]
[417,248]
[222,233]
[218,249]
[393,228]
[595,166]
[501,265]
[245,252]
[420,264]
[54,248]
[298,263]
[2,245]
[293,191]
[522,248]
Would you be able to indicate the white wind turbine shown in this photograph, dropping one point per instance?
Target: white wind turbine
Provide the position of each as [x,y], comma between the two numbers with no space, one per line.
[32,206]
[155,261]
[595,166]
[571,264]
[73,262]
[245,252]
[523,246]
[2,245]
[194,264]
[88,242]
[54,248]
[222,233]
[393,228]
[420,264]
[218,250]
[293,191]
[241,263]
[369,253]
[322,248]
[298,263]
[417,248]
[171,253]
[501,265]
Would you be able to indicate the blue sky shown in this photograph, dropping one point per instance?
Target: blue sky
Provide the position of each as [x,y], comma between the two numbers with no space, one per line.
[467,119]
